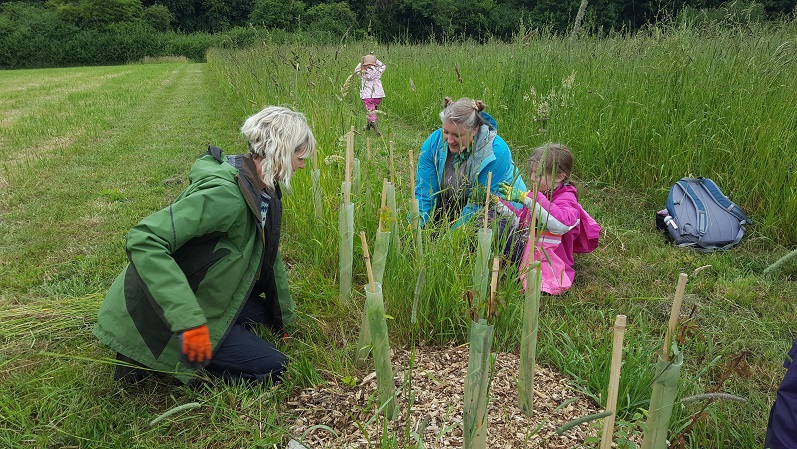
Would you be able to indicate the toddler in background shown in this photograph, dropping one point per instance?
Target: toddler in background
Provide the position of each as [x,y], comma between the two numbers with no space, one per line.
[563,226]
[370,72]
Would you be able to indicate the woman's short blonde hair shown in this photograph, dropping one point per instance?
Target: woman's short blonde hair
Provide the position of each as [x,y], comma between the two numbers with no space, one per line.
[275,134]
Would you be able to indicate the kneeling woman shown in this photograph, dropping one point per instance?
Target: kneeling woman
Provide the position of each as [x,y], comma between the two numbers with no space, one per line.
[206,269]
[454,165]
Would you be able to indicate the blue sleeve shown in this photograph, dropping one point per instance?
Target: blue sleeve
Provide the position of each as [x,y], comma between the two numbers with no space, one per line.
[467,213]
[503,168]
[427,182]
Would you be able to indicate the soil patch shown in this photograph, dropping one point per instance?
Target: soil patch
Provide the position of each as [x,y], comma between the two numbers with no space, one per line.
[436,394]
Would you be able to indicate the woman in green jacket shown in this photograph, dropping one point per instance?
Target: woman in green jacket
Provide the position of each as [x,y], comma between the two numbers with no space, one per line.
[206,268]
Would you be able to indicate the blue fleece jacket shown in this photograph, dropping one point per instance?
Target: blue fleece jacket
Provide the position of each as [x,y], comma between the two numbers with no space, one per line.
[490,154]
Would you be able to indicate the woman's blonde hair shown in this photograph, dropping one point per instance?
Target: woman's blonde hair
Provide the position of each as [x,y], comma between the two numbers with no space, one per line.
[463,112]
[275,134]
[551,158]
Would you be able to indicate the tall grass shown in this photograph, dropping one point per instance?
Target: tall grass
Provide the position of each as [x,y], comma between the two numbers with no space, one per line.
[87,152]
[640,112]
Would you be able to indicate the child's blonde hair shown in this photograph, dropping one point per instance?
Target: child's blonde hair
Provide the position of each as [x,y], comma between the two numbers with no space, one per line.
[551,158]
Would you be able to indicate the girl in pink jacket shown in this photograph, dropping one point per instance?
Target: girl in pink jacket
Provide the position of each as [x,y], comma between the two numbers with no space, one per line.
[371,92]
[563,226]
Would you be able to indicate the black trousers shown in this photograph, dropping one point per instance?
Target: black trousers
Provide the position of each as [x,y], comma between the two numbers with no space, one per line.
[244,356]
[783,415]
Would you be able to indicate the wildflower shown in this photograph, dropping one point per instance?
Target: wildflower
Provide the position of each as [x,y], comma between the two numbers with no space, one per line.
[543,110]
[567,83]
[333,159]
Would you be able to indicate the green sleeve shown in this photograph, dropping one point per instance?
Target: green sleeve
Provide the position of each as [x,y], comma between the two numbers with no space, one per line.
[151,243]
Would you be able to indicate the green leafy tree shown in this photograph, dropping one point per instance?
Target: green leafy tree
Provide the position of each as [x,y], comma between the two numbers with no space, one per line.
[206,15]
[158,17]
[469,18]
[30,35]
[504,20]
[333,18]
[283,14]
[97,14]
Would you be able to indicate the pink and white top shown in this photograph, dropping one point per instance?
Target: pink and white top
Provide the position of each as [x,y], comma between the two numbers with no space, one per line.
[566,229]
[371,80]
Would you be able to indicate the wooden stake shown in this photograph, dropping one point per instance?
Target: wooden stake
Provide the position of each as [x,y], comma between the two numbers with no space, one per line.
[493,288]
[487,198]
[614,382]
[412,174]
[384,202]
[367,262]
[675,312]
[533,225]
[392,168]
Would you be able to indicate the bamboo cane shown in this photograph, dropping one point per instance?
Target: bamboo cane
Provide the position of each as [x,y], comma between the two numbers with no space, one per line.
[392,209]
[392,168]
[384,203]
[415,214]
[364,347]
[665,385]
[614,382]
[493,288]
[675,312]
[412,173]
[487,198]
[531,244]
[367,259]
[382,240]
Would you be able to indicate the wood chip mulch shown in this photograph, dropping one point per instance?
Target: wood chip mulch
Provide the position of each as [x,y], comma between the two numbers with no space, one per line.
[435,414]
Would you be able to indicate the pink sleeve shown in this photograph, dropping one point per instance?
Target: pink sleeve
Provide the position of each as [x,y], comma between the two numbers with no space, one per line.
[564,207]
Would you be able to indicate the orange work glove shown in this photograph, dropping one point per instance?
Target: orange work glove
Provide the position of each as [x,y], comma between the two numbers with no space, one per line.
[196,345]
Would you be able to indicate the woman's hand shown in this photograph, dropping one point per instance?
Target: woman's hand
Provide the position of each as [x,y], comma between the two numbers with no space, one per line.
[478,195]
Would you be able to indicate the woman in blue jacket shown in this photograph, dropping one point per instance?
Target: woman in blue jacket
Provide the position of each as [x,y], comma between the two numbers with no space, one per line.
[455,161]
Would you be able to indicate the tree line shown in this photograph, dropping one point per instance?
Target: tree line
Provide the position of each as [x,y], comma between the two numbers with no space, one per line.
[35,33]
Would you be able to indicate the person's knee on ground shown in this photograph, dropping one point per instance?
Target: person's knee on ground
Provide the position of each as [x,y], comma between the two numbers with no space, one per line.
[129,371]
[244,356]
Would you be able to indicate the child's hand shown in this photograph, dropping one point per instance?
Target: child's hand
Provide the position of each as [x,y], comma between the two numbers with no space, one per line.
[512,194]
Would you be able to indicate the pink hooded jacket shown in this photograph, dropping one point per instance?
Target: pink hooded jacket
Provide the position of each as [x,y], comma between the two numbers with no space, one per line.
[371,80]
[566,229]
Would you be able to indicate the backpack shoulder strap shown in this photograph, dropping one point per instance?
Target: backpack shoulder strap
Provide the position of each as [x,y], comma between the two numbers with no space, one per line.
[724,201]
[689,192]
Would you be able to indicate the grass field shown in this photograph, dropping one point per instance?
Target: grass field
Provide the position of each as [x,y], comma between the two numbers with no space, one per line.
[87,152]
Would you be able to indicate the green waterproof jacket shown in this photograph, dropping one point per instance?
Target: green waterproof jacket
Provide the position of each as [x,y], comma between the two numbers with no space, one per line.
[195,262]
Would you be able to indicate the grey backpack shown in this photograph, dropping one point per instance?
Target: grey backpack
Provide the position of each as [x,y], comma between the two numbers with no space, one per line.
[699,216]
